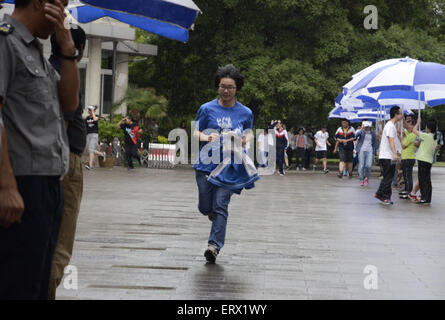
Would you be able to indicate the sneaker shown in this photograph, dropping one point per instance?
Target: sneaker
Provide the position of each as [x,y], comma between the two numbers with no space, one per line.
[401,193]
[211,253]
[413,197]
[404,196]
[88,167]
[304,169]
[299,169]
[383,201]
[350,176]
[325,171]
[314,168]
[211,216]
[104,156]
[423,202]
[340,175]
[362,183]
[366,181]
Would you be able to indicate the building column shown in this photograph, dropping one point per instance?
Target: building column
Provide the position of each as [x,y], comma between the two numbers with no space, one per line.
[121,83]
[93,76]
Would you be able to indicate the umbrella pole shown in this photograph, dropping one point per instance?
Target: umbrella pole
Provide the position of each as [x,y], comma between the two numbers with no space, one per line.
[418,98]
[113,79]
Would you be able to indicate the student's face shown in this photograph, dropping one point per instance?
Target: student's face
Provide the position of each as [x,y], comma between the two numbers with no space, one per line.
[323,130]
[345,124]
[227,89]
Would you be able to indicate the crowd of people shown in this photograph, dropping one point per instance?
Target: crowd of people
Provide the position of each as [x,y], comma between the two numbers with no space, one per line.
[398,147]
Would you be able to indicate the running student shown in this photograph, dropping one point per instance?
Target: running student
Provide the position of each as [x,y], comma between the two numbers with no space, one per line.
[345,136]
[220,117]
[321,150]
[424,158]
[389,150]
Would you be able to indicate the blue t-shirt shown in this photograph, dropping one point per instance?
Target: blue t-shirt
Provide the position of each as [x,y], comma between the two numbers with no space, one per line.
[212,115]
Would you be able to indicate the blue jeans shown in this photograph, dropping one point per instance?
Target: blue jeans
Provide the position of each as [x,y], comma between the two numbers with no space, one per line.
[364,164]
[214,199]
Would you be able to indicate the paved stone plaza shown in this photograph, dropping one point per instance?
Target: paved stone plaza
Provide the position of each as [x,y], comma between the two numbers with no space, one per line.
[302,236]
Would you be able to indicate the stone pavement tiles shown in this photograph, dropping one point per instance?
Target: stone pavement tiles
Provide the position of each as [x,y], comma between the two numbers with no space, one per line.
[301,236]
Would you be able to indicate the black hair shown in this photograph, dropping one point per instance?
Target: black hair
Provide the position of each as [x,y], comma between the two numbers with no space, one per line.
[432,125]
[344,119]
[394,110]
[79,38]
[324,126]
[229,71]
[22,3]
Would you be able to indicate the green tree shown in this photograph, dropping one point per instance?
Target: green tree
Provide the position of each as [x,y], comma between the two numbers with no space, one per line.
[295,54]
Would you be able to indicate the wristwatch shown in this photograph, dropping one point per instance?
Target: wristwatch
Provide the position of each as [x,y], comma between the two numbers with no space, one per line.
[74,57]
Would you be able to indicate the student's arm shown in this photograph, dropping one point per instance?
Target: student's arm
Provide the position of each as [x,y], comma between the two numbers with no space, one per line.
[11,202]
[416,127]
[336,146]
[393,148]
[119,124]
[95,118]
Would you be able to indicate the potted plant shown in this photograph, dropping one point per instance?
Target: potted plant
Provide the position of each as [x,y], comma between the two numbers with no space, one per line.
[107,133]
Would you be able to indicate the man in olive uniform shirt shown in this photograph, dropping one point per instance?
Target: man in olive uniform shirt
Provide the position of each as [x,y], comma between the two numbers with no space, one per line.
[35,151]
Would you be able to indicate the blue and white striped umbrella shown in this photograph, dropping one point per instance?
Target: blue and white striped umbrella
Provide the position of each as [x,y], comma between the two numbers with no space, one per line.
[168,18]
[399,74]
[405,99]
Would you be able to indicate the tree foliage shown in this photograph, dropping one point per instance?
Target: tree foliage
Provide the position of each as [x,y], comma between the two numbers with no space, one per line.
[295,54]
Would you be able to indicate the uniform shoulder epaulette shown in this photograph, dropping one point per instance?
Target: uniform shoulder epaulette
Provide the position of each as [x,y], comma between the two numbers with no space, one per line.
[6,28]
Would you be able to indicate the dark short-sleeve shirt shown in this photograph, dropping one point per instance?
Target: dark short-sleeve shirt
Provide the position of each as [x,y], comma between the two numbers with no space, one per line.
[77,131]
[33,120]
[92,126]
[131,136]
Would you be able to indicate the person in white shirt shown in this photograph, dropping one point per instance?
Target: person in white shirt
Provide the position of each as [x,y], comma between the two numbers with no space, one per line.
[321,150]
[390,148]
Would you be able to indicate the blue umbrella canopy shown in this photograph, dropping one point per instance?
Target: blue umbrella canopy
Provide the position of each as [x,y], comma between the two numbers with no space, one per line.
[168,18]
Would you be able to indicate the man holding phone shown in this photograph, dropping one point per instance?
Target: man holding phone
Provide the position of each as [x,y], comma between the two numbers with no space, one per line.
[35,153]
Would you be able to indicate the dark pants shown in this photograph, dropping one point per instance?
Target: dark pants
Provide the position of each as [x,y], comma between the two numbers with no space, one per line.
[426,189]
[301,154]
[27,249]
[214,199]
[385,189]
[290,155]
[131,151]
[407,167]
[280,158]
[307,157]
